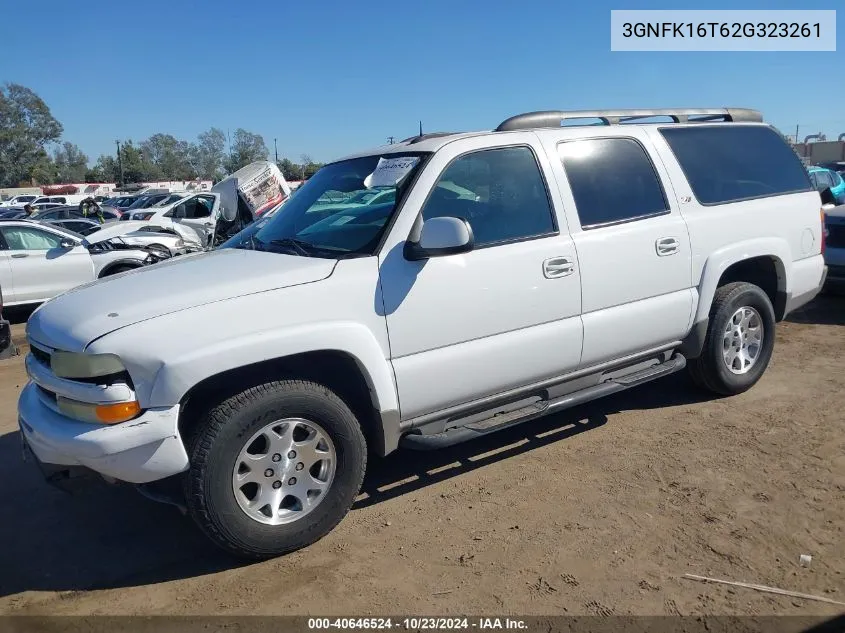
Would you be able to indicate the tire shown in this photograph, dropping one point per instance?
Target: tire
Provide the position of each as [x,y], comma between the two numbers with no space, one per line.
[117,270]
[710,370]
[215,452]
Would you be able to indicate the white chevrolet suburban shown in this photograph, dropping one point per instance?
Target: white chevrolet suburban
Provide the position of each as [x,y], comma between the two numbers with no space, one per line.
[513,273]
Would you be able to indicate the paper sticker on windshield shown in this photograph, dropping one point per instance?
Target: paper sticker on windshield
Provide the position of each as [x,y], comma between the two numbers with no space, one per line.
[390,171]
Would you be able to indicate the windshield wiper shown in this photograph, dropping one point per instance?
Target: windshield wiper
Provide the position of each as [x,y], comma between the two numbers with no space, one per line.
[300,246]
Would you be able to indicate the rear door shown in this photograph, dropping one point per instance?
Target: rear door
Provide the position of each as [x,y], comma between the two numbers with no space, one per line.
[632,243]
[41,266]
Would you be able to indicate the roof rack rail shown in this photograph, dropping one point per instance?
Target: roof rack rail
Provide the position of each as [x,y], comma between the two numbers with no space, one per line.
[555,118]
[418,138]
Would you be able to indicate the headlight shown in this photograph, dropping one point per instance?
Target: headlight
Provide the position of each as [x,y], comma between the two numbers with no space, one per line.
[73,365]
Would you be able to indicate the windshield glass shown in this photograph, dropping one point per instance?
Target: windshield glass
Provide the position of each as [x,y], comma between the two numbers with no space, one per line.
[169,200]
[141,203]
[342,210]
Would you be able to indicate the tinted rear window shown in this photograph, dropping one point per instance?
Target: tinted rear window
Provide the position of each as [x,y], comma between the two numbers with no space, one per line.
[736,162]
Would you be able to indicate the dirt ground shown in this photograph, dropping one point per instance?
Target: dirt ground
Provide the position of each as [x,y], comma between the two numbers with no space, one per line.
[598,510]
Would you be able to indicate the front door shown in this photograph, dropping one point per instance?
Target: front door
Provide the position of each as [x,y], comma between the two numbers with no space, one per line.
[633,245]
[41,267]
[504,315]
[199,214]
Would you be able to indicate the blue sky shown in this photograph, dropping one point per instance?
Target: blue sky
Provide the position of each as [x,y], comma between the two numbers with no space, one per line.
[330,77]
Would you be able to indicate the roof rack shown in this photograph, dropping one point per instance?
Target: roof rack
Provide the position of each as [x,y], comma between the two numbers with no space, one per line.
[554,118]
[422,137]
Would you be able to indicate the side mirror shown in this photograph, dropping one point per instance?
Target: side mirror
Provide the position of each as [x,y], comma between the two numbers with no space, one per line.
[227,213]
[439,237]
[67,243]
[827,196]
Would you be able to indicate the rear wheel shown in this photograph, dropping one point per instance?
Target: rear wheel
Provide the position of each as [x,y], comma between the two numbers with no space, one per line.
[740,339]
[274,468]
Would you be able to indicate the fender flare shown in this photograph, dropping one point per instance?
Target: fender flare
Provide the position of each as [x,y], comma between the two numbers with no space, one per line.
[178,375]
[722,259]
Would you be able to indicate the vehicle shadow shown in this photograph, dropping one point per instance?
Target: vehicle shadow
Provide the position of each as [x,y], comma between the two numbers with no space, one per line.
[406,471]
[109,536]
[18,314]
[826,309]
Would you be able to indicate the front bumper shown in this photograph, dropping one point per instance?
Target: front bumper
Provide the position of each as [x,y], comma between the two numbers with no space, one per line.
[142,450]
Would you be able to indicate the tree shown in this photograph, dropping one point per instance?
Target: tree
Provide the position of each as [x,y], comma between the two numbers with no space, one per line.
[136,167]
[26,127]
[246,148]
[168,156]
[290,170]
[70,163]
[209,153]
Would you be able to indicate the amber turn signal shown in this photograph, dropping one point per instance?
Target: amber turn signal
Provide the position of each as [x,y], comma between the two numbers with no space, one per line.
[116,413]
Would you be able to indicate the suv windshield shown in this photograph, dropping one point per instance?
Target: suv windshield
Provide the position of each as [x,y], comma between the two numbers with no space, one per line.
[329,217]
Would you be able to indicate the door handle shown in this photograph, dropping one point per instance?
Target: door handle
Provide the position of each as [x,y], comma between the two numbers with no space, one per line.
[19,255]
[558,267]
[667,246]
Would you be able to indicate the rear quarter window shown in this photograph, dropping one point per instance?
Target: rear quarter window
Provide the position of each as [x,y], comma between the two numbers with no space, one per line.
[736,162]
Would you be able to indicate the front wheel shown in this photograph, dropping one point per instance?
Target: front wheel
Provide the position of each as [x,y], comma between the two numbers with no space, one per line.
[275,468]
[740,340]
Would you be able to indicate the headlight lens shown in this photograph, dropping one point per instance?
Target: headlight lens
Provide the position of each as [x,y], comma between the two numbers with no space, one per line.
[74,365]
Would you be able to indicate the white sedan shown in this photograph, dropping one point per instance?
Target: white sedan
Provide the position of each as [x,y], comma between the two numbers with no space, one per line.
[39,261]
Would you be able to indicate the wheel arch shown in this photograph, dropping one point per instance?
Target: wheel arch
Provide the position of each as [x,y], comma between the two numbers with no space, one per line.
[356,371]
[761,262]
[109,268]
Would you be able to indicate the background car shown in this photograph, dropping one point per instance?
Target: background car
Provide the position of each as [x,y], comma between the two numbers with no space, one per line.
[12,214]
[67,212]
[121,203]
[162,200]
[39,261]
[828,179]
[837,166]
[42,206]
[81,226]
[17,201]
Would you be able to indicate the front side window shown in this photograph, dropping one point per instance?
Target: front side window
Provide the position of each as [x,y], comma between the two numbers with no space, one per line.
[500,192]
[320,220]
[24,238]
[612,181]
[733,162]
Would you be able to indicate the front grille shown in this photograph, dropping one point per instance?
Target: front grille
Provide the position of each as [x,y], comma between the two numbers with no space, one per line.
[835,236]
[39,355]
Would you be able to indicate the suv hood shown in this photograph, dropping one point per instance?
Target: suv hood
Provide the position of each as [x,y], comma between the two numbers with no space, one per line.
[74,319]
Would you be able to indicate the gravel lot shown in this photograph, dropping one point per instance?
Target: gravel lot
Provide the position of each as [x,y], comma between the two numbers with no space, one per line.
[598,510]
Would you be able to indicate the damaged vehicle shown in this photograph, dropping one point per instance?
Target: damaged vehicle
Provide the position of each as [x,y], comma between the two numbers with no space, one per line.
[507,274]
[40,261]
[175,239]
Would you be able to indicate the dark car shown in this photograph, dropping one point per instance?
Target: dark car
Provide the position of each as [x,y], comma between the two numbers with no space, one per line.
[6,347]
[13,213]
[120,203]
[80,226]
[70,212]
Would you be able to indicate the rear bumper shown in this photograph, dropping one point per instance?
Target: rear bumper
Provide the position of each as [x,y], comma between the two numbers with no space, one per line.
[808,278]
[142,450]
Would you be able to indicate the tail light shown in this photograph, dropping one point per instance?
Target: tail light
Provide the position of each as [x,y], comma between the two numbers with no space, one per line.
[825,232]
